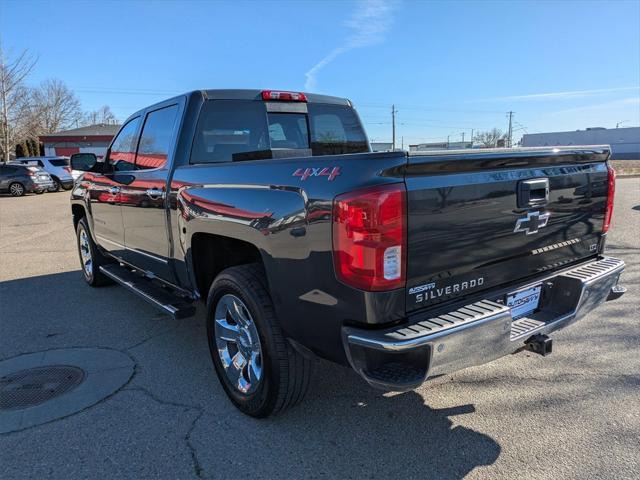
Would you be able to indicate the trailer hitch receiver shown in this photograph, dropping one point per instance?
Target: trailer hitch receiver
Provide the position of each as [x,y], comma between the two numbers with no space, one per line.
[540,344]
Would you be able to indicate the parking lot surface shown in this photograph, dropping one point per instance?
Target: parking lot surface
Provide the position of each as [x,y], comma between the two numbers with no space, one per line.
[574,414]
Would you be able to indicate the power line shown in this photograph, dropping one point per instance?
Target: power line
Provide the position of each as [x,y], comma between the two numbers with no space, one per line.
[422,107]
[520,127]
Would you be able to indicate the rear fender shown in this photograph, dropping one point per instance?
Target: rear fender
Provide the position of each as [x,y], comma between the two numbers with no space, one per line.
[264,216]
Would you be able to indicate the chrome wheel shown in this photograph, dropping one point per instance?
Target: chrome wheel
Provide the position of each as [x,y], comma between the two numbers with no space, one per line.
[85,253]
[238,344]
[16,189]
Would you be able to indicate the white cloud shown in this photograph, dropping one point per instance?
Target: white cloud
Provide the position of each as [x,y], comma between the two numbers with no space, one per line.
[368,25]
[567,95]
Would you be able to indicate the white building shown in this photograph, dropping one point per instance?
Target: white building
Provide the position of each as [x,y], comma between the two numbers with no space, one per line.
[624,142]
[381,146]
[425,147]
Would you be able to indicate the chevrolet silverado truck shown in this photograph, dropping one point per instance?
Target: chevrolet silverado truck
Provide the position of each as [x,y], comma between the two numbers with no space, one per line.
[271,208]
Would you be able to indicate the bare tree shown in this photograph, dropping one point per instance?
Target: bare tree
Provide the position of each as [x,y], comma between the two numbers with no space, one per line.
[489,138]
[103,115]
[13,99]
[54,107]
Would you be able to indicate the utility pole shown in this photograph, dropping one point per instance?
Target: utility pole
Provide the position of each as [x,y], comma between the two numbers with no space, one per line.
[447,142]
[472,137]
[393,127]
[462,139]
[402,140]
[510,131]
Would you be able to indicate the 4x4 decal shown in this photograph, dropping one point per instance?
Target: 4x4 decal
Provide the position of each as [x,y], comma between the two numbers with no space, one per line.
[329,172]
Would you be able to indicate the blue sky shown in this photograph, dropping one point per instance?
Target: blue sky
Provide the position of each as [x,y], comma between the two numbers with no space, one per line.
[448,66]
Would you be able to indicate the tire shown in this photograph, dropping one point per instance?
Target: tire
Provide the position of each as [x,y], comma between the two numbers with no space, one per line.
[56,185]
[285,373]
[91,272]
[16,189]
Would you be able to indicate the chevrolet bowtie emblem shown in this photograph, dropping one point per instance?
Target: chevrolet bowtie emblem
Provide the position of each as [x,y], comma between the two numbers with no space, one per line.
[532,222]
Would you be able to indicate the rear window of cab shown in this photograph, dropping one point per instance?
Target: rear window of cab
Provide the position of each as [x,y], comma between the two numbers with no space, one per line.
[231,130]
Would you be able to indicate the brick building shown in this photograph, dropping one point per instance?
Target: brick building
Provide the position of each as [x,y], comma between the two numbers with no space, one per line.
[91,139]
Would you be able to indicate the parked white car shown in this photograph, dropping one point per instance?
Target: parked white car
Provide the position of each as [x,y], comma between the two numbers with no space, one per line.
[57,167]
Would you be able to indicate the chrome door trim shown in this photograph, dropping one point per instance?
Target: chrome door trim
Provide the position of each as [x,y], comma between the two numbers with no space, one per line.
[149,255]
[102,239]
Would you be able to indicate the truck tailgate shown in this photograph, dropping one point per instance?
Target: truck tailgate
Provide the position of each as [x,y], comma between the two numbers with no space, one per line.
[490,218]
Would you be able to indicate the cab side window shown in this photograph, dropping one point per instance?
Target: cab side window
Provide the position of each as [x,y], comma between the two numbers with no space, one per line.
[156,138]
[123,148]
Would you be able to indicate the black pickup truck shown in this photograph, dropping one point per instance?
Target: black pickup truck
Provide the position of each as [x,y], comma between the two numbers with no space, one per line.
[270,206]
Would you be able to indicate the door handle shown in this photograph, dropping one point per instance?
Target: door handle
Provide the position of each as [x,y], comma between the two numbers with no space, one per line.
[533,192]
[114,190]
[155,193]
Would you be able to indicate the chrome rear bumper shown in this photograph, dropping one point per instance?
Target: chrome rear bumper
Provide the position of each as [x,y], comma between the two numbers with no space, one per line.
[403,357]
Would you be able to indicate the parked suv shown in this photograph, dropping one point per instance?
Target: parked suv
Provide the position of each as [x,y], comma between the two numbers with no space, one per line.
[20,179]
[57,167]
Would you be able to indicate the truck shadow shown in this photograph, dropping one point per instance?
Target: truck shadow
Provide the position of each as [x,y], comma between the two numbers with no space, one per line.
[342,429]
[387,434]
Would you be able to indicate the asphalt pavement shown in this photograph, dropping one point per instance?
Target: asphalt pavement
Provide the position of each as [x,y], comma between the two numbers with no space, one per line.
[572,415]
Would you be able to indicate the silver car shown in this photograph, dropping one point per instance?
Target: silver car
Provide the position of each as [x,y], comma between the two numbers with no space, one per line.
[57,167]
[17,179]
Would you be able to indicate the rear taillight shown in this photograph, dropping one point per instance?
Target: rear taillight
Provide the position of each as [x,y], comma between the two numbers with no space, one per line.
[369,237]
[284,96]
[611,181]
[32,171]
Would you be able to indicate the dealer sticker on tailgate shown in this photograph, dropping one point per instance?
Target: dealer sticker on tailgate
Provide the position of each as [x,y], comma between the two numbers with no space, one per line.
[524,301]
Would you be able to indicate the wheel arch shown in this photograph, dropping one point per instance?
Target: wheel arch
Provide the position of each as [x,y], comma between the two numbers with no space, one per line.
[210,254]
[77,212]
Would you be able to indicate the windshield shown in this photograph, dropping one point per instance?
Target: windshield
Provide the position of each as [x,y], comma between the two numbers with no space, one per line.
[230,129]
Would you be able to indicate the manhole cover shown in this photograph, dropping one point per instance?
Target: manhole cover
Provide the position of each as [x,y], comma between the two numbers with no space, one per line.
[39,387]
[34,386]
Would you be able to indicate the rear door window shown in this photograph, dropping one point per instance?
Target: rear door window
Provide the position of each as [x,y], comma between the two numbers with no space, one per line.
[156,138]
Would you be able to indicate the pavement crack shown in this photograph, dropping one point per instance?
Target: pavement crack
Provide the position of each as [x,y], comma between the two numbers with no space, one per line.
[193,452]
[197,466]
[154,336]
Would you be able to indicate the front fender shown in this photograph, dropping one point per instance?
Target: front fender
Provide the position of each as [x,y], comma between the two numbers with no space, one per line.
[80,196]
